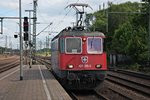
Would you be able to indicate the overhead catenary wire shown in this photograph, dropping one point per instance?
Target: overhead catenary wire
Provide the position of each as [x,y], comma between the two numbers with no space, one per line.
[61,18]
[9,17]
[44,29]
[61,12]
[64,16]
[15,9]
[54,20]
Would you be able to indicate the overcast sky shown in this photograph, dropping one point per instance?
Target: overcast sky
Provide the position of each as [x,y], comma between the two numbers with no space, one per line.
[47,11]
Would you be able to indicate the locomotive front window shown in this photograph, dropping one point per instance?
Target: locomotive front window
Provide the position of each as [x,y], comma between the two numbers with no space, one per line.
[73,45]
[95,45]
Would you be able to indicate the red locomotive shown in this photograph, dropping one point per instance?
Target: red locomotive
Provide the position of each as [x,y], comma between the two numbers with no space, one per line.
[78,59]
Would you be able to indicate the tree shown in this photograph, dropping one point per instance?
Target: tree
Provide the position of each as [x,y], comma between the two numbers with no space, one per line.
[131,40]
[128,33]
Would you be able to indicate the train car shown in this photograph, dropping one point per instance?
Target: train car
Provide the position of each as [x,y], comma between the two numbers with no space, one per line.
[78,59]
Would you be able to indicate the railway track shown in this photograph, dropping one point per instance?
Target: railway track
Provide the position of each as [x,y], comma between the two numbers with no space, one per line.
[86,95]
[135,74]
[9,66]
[79,95]
[44,62]
[8,63]
[127,84]
[119,85]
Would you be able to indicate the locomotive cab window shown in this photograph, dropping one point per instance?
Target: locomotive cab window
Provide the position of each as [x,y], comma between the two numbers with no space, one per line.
[94,45]
[73,45]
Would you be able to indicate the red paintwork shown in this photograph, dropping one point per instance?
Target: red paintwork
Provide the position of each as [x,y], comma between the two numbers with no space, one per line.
[75,59]
[93,59]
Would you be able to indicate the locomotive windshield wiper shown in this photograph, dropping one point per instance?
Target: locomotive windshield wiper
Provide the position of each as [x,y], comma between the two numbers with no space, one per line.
[92,42]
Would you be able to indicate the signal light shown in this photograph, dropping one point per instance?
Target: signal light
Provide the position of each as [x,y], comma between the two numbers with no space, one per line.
[15,36]
[26,36]
[25,24]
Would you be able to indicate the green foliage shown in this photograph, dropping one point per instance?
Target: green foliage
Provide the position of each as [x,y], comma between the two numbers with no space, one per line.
[44,52]
[119,40]
[100,24]
[2,50]
[115,20]
[131,40]
[127,32]
[134,67]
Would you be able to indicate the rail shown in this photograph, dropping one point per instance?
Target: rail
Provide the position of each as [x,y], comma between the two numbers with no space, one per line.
[86,95]
[137,83]
[9,66]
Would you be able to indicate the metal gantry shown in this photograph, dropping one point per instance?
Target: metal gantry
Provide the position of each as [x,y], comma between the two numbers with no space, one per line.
[34,27]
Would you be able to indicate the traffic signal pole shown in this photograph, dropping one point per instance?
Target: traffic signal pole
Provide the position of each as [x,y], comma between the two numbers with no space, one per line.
[21,39]
[21,43]
[30,36]
[1,26]
[149,37]
[26,36]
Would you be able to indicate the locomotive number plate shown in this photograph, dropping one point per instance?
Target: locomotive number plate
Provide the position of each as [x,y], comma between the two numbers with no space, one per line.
[84,65]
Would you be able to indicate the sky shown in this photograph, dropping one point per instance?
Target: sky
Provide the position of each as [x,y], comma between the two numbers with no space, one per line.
[48,11]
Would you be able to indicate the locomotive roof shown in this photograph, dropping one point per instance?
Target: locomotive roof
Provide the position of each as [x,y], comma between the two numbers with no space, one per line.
[79,33]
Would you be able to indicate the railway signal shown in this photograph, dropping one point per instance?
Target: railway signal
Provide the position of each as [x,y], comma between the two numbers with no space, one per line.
[26,28]
[15,36]
[26,36]
[1,26]
[25,24]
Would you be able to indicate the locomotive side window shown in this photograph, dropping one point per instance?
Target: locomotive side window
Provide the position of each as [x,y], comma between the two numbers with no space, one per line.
[62,45]
[73,45]
[95,45]
[54,45]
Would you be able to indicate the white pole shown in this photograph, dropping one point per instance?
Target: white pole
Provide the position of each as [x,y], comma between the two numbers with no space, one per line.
[21,55]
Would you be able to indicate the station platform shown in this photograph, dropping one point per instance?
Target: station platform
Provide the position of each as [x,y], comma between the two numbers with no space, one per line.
[37,84]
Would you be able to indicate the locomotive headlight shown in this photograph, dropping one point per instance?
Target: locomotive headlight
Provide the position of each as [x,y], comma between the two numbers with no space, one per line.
[70,66]
[98,66]
[84,39]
